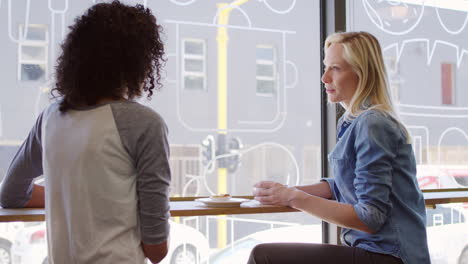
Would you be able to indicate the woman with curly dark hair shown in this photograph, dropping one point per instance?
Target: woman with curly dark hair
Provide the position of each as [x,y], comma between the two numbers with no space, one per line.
[110,53]
[105,157]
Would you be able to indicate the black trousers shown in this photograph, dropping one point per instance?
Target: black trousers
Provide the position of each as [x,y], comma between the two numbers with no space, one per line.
[300,253]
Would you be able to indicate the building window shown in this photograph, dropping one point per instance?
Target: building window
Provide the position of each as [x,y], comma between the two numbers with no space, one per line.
[266,70]
[394,77]
[447,77]
[194,64]
[33,53]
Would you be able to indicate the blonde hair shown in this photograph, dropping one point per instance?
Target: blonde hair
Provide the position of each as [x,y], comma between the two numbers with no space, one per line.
[362,51]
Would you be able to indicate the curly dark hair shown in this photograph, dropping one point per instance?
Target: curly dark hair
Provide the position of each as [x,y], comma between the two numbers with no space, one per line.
[113,51]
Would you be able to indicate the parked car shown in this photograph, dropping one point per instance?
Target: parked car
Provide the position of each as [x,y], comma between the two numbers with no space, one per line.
[442,176]
[447,232]
[8,232]
[187,246]
[239,251]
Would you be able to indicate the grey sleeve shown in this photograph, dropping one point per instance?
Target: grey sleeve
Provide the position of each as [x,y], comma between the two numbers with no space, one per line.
[16,188]
[144,136]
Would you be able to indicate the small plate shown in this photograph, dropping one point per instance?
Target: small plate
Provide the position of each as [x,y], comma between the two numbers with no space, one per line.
[233,202]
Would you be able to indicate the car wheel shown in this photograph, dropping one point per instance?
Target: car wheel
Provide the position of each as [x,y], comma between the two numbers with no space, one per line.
[463,259]
[5,257]
[184,254]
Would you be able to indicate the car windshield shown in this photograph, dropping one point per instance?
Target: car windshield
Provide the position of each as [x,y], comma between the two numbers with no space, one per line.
[463,181]
[442,215]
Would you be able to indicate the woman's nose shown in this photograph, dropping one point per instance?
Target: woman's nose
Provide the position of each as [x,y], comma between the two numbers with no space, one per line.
[325,77]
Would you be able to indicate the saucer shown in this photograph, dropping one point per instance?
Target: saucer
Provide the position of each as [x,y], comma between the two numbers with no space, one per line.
[233,202]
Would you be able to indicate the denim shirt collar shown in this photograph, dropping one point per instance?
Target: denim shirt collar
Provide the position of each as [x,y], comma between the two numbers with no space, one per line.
[342,127]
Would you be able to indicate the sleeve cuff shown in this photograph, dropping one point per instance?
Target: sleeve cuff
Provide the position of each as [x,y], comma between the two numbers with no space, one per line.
[331,183]
[156,234]
[9,199]
[370,216]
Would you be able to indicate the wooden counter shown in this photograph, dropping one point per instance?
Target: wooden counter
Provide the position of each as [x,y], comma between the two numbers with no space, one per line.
[179,207]
[192,208]
[188,207]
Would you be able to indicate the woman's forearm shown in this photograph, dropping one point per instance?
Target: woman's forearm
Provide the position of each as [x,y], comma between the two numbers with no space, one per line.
[37,198]
[321,189]
[330,211]
[312,199]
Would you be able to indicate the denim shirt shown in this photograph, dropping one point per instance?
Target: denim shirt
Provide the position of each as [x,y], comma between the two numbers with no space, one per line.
[375,171]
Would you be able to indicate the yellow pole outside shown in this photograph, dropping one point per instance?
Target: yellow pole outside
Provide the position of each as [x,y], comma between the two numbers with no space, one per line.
[222,39]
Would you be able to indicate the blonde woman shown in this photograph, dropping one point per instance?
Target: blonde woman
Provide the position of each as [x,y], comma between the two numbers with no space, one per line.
[374,196]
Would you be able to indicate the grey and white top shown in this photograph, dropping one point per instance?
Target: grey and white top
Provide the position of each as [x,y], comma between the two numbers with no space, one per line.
[107,180]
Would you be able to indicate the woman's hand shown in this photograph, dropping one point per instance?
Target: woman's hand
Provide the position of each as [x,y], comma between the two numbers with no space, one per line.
[273,193]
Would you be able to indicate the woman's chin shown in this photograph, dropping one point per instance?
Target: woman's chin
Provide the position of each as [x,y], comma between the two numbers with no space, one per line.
[332,99]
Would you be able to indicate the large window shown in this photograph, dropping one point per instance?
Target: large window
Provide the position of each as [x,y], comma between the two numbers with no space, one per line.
[424,44]
[425,47]
[241,98]
[245,76]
